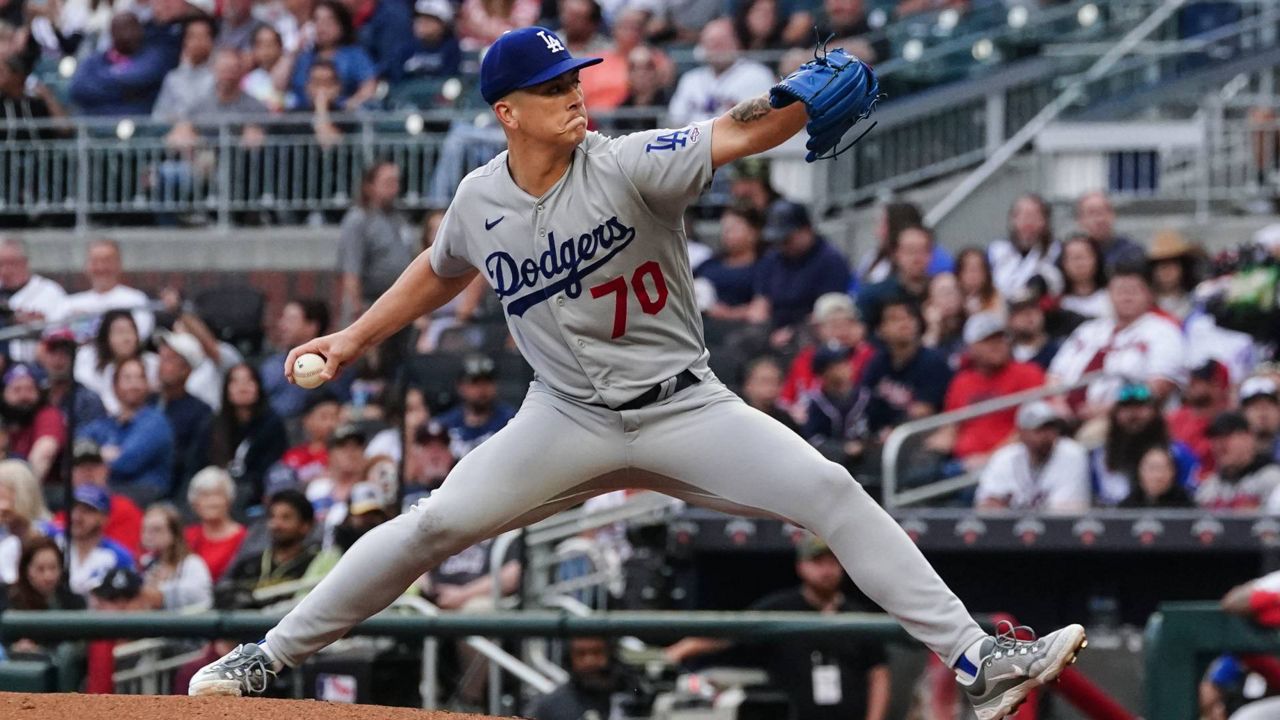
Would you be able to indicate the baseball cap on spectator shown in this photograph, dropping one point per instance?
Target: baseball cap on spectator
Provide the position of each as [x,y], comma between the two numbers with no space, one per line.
[1213,372]
[833,305]
[185,344]
[1035,415]
[811,547]
[1259,388]
[429,432]
[279,477]
[208,7]
[1133,393]
[21,370]
[348,434]
[317,398]
[94,497]
[829,355]
[120,583]
[783,218]
[1024,296]
[983,325]
[1227,423]
[442,10]
[85,451]
[60,339]
[476,367]
[1169,244]
[366,497]
[524,58]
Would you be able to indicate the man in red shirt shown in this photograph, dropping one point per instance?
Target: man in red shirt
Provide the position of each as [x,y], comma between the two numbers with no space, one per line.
[991,373]
[310,460]
[835,322]
[36,429]
[1208,394]
[124,519]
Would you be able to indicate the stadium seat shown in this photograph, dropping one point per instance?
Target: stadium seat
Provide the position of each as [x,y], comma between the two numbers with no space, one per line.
[234,314]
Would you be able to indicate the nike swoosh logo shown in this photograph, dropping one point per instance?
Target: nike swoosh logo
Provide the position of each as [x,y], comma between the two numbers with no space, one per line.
[491,225]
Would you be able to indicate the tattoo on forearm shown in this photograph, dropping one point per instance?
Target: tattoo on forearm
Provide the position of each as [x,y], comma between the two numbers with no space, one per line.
[751,110]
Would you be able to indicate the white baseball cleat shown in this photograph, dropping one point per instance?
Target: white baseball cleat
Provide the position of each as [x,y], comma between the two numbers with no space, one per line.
[244,671]
[1012,668]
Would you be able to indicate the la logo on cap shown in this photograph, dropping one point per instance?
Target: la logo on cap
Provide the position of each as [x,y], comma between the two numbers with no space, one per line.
[553,42]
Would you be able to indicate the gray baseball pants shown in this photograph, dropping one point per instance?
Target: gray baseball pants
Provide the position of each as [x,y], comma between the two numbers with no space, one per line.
[703,445]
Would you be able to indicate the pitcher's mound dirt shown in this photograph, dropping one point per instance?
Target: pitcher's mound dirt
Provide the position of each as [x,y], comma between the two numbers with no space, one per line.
[26,706]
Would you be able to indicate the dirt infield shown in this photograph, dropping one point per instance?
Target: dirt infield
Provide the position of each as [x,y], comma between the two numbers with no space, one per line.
[26,706]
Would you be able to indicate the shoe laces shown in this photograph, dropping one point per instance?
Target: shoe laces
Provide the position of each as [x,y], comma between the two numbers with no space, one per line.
[1009,642]
[253,668]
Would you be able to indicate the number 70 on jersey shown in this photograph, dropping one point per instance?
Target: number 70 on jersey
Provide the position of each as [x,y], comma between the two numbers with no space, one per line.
[651,302]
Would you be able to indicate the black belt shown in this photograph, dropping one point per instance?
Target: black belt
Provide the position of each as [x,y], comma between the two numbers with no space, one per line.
[661,391]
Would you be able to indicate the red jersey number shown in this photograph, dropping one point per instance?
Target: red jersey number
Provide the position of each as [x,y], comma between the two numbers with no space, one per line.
[652,299]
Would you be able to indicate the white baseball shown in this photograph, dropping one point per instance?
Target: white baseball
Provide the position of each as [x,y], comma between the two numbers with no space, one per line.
[307,369]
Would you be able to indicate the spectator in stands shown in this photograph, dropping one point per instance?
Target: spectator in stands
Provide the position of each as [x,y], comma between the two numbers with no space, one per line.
[37,430]
[189,86]
[750,183]
[216,537]
[646,88]
[1260,403]
[366,510]
[762,388]
[1174,273]
[189,417]
[435,51]
[237,26]
[906,381]
[124,518]
[289,521]
[1134,426]
[106,292]
[57,356]
[1084,279]
[1246,478]
[384,31]
[992,372]
[404,415]
[429,460]
[39,584]
[944,316]
[269,71]
[310,460]
[480,22]
[229,97]
[1157,485]
[247,437]
[834,413]
[1029,251]
[1137,344]
[580,30]
[1207,395]
[174,578]
[373,244]
[1097,219]
[1043,471]
[854,676]
[24,99]
[973,273]
[725,78]
[732,273]
[835,322]
[480,413]
[876,265]
[119,591]
[23,515]
[758,25]
[123,80]
[910,277]
[680,21]
[90,555]
[301,320]
[594,677]
[26,297]
[116,341]
[335,42]
[847,21]
[801,267]
[292,19]
[330,492]
[135,440]
[1031,342]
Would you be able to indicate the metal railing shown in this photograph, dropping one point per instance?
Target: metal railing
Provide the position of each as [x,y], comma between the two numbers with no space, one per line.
[894,444]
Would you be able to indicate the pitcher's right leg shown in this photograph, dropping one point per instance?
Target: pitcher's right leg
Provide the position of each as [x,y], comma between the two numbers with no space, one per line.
[543,460]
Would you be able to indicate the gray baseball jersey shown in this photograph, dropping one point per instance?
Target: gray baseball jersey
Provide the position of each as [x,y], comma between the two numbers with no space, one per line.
[594,275]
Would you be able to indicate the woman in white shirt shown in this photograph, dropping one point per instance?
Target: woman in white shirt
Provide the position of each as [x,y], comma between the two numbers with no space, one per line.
[174,577]
[1030,249]
[117,339]
[1084,279]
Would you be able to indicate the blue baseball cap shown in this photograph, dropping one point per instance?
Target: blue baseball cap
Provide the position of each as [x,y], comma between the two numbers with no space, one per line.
[93,496]
[523,58]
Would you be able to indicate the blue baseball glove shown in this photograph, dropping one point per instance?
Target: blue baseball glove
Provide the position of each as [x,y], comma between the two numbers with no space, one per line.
[837,90]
